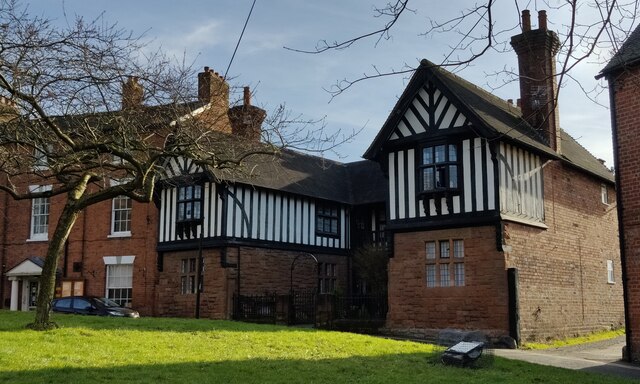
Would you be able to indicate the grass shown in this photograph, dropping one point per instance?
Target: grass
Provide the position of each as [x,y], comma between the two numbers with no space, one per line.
[593,337]
[152,350]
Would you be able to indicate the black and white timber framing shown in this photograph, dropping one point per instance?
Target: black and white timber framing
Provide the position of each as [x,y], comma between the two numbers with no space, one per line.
[476,195]
[490,176]
[243,212]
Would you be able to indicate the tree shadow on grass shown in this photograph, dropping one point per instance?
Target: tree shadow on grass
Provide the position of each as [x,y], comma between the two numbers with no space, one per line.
[17,321]
[403,368]
[392,368]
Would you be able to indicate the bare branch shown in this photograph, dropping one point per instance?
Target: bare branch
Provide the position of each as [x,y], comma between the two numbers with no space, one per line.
[392,10]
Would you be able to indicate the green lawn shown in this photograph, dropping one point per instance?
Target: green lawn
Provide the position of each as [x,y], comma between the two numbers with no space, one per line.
[149,350]
[596,336]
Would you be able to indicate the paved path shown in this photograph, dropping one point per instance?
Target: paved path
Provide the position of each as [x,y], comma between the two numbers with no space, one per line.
[601,357]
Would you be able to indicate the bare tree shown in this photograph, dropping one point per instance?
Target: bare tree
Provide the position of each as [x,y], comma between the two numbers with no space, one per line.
[587,29]
[74,123]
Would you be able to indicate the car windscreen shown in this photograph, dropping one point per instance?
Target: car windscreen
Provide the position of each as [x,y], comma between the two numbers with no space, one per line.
[106,302]
[62,303]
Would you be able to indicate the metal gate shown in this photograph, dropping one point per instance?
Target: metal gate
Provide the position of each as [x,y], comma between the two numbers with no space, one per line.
[302,307]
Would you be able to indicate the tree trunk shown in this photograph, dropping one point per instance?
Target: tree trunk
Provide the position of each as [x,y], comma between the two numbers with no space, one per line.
[48,278]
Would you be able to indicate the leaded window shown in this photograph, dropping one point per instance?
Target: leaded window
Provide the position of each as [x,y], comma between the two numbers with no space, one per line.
[439,168]
[445,263]
[189,213]
[189,203]
[327,220]
[188,276]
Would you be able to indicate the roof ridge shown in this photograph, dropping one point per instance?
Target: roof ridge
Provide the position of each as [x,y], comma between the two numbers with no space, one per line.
[508,107]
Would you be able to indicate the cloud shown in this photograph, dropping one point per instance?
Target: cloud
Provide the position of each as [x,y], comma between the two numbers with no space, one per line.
[207,34]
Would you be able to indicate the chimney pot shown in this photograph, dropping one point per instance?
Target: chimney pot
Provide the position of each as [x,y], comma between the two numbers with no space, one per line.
[526,20]
[132,93]
[510,101]
[519,103]
[206,69]
[247,96]
[542,20]
[536,52]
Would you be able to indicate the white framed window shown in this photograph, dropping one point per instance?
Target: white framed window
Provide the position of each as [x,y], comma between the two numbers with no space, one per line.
[39,228]
[610,276]
[40,159]
[121,207]
[121,216]
[604,194]
[119,279]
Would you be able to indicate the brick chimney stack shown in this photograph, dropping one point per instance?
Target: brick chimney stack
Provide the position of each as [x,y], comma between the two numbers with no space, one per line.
[246,120]
[8,110]
[536,50]
[214,90]
[212,87]
[132,94]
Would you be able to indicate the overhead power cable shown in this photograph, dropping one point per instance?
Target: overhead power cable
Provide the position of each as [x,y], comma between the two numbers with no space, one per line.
[239,39]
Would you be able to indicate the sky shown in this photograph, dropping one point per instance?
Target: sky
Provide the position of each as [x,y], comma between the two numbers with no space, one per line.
[206,33]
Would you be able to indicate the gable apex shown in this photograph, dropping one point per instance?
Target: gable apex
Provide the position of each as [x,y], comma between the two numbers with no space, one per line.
[426,105]
[28,267]
[430,110]
[487,115]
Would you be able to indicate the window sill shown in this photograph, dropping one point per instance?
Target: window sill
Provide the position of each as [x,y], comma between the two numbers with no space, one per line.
[523,220]
[119,235]
[37,239]
[329,235]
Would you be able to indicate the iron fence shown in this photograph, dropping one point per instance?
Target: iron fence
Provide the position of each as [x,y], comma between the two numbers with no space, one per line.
[302,308]
[357,313]
[360,307]
[255,308]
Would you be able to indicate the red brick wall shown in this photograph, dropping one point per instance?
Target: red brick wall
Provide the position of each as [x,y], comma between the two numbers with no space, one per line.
[481,304]
[265,270]
[261,271]
[627,105]
[218,288]
[89,242]
[563,289]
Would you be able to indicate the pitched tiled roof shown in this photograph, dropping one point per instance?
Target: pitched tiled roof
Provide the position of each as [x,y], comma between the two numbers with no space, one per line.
[627,55]
[160,115]
[492,117]
[303,174]
[576,155]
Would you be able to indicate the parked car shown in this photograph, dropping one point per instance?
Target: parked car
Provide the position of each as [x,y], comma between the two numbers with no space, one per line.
[90,305]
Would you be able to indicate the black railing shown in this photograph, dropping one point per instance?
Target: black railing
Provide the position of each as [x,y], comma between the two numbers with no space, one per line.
[357,313]
[360,307]
[302,308]
[257,309]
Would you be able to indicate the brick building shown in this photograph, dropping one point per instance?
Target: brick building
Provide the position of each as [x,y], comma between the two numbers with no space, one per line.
[501,221]
[497,220]
[623,74]
[248,227]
